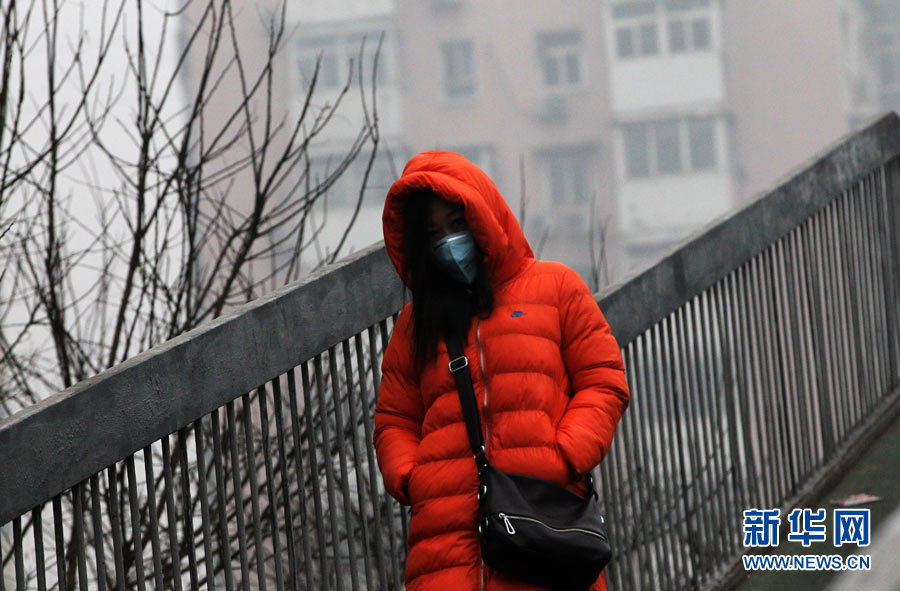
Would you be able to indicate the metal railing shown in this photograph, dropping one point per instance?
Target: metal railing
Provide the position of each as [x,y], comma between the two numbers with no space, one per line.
[239,455]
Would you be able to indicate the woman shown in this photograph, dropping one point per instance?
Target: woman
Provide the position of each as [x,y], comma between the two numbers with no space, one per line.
[547,372]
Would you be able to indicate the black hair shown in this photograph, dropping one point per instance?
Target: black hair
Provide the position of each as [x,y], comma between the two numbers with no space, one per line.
[441,305]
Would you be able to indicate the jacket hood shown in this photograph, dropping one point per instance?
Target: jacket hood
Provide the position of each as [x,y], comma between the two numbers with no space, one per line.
[454,178]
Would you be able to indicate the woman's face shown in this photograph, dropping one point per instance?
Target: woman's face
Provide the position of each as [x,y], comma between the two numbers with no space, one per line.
[446,218]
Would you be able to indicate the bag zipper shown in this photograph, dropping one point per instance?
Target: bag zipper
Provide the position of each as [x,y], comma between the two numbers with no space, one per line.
[511,530]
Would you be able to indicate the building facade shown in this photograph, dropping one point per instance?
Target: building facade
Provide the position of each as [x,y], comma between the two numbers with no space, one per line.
[613,128]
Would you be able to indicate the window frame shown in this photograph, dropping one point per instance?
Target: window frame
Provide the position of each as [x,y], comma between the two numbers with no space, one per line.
[559,52]
[445,81]
[661,17]
[686,164]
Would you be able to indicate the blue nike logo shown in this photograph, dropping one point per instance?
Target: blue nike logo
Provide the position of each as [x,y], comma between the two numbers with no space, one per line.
[517,313]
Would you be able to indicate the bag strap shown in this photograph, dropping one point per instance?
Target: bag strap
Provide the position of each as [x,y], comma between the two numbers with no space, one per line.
[459,367]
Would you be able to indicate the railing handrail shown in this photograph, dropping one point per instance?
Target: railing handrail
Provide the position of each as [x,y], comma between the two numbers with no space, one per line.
[58,442]
[69,436]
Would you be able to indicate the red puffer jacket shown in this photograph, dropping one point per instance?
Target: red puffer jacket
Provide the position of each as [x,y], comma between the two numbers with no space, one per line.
[548,377]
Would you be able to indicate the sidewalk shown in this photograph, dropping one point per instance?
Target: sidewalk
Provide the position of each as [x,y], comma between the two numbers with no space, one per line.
[876,473]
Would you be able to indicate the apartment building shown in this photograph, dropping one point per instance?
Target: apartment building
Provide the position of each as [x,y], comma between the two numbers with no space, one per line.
[613,128]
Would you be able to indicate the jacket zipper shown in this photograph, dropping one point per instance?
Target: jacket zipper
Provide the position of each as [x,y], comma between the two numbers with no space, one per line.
[511,530]
[484,413]
[483,380]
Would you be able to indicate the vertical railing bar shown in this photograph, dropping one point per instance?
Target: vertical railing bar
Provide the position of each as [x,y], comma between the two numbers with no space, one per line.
[611,571]
[19,554]
[329,470]
[626,464]
[115,518]
[202,492]
[862,313]
[633,466]
[3,565]
[892,229]
[748,402]
[706,424]
[314,465]
[188,508]
[153,517]
[389,502]
[649,506]
[850,400]
[252,475]
[78,511]
[746,460]
[695,440]
[342,458]
[883,275]
[60,544]
[667,403]
[729,389]
[238,486]
[285,486]
[774,315]
[657,455]
[827,386]
[879,333]
[812,269]
[809,362]
[371,460]
[876,319]
[301,479]
[791,304]
[853,396]
[707,395]
[357,460]
[696,537]
[891,298]
[171,513]
[869,321]
[716,352]
[135,511]
[780,456]
[222,514]
[270,484]
[621,533]
[98,537]
[844,404]
[37,531]
[763,415]
[787,333]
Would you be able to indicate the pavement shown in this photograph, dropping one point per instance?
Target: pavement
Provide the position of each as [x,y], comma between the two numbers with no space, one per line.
[877,472]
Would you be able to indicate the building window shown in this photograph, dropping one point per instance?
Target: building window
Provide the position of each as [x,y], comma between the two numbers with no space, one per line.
[569,174]
[346,178]
[324,48]
[670,146]
[644,27]
[635,29]
[340,53]
[560,58]
[459,69]
[689,28]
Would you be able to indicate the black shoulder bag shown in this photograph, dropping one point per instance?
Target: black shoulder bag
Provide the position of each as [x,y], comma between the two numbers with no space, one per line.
[530,529]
